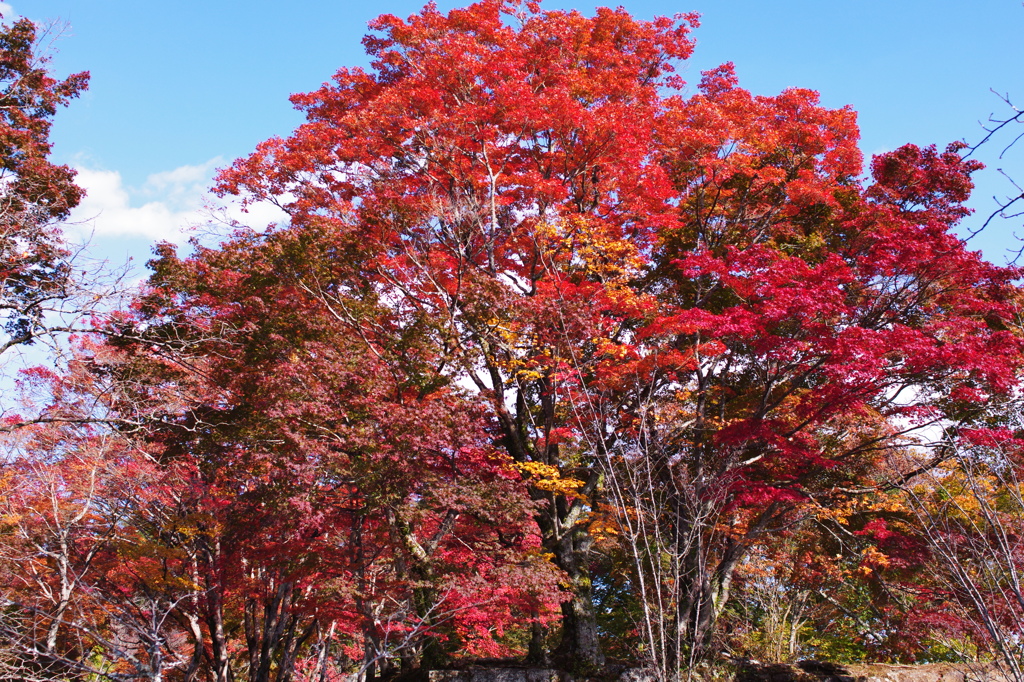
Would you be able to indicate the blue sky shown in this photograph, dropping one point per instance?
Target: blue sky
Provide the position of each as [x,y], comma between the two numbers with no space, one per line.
[179,89]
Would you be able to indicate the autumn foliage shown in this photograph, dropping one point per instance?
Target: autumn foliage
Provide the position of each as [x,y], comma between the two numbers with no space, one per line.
[34,192]
[554,356]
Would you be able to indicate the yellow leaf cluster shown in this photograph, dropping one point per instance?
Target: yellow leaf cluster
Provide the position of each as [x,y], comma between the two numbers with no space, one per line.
[593,247]
[841,511]
[548,478]
[610,349]
[871,559]
[603,530]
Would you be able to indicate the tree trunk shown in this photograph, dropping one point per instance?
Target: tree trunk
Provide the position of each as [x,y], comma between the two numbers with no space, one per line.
[325,645]
[537,653]
[196,634]
[561,523]
[580,647]
[214,611]
[218,639]
[274,631]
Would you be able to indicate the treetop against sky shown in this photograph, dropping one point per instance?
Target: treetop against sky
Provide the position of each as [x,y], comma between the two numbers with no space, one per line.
[181,89]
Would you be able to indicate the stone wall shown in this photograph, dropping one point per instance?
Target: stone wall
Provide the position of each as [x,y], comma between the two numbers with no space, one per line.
[805,671]
[499,675]
[816,671]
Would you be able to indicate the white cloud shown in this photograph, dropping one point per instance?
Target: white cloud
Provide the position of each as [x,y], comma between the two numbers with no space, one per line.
[168,206]
[7,11]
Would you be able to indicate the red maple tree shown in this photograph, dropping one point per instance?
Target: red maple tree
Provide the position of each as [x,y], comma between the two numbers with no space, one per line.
[35,194]
[701,284]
